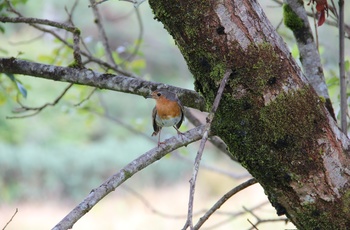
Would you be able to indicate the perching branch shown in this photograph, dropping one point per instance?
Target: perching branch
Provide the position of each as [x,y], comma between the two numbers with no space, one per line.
[127,172]
[88,77]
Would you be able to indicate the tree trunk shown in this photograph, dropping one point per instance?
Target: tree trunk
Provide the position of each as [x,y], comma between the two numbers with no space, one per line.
[270,117]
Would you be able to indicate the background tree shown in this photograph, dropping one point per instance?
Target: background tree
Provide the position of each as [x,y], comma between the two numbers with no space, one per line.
[271,119]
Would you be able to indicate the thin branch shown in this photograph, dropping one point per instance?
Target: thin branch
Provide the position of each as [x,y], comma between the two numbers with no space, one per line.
[8,222]
[151,208]
[139,39]
[343,94]
[223,199]
[85,54]
[102,32]
[65,26]
[189,222]
[232,175]
[37,110]
[87,98]
[216,141]
[127,172]
[233,215]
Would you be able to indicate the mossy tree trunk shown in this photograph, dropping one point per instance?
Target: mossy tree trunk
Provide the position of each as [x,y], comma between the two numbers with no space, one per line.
[270,117]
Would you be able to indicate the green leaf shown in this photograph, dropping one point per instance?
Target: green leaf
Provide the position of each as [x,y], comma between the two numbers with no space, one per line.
[347,66]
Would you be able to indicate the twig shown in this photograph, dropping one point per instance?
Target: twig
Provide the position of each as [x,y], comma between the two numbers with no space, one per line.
[216,141]
[87,98]
[343,94]
[210,117]
[232,175]
[150,207]
[233,215]
[260,221]
[102,32]
[75,37]
[138,41]
[32,21]
[37,110]
[223,199]
[253,225]
[8,222]
[127,172]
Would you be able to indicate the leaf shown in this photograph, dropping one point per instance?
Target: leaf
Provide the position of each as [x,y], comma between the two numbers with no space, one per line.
[20,87]
[347,66]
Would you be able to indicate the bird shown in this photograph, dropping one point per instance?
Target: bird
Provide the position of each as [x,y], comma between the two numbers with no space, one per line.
[167,112]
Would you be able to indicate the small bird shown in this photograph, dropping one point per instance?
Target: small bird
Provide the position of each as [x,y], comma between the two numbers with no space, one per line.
[167,112]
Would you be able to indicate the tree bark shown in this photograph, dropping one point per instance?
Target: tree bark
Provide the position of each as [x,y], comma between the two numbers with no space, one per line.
[271,119]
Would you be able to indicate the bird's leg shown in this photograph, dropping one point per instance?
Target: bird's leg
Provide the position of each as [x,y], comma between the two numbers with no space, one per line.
[159,143]
[179,133]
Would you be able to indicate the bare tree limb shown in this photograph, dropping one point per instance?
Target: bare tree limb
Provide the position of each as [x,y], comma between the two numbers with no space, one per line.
[210,117]
[75,46]
[343,94]
[37,110]
[223,199]
[88,77]
[309,56]
[8,222]
[103,35]
[125,173]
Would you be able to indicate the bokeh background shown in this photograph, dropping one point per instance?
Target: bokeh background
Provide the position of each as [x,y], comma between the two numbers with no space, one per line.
[51,161]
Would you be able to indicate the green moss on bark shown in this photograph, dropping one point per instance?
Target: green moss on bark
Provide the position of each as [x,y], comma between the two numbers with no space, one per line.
[291,19]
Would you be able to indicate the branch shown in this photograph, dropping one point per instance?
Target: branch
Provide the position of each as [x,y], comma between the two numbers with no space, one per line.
[127,172]
[309,56]
[88,77]
[103,35]
[201,148]
[223,199]
[8,222]
[37,110]
[343,93]
[75,31]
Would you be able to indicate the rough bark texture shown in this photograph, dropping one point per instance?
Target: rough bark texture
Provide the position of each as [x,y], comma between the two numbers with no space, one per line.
[271,119]
[100,80]
[296,19]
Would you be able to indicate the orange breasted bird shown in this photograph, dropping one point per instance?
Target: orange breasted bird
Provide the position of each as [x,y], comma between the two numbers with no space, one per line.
[167,112]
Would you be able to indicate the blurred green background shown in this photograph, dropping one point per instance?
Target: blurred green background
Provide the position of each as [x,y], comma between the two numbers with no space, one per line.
[63,152]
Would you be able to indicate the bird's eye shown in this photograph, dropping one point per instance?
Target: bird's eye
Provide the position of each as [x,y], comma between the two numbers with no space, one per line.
[159,94]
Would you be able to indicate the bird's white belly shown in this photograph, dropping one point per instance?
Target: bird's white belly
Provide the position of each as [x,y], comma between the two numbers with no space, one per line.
[167,122]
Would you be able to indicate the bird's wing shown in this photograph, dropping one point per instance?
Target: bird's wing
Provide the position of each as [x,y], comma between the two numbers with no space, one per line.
[182,114]
[156,128]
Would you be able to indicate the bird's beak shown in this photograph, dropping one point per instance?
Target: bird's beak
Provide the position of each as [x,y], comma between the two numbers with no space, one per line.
[149,96]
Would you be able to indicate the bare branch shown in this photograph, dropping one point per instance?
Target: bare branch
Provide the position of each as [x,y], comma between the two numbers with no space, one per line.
[216,141]
[223,199]
[8,222]
[210,117]
[127,172]
[102,32]
[75,31]
[88,77]
[75,46]
[37,110]
[260,221]
[138,41]
[343,93]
